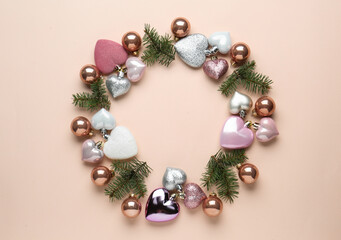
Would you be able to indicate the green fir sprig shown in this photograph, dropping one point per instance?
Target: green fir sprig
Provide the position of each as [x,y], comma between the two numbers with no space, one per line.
[130,178]
[219,173]
[248,78]
[158,48]
[94,100]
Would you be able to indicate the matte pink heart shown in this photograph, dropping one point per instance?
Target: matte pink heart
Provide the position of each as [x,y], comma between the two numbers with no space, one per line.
[235,135]
[267,130]
[216,68]
[135,69]
[108,55]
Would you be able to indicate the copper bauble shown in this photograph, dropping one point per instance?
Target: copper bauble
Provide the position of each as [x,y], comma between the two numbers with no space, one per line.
[101,175]
[212,206]
[131,207]
[89,74]
[248,173]
[80,126]
[131,41]
[180,27]
[264,106]
[239,52]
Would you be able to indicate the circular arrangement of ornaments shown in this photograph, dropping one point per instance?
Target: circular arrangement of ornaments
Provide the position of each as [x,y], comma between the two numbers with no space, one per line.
[118,66]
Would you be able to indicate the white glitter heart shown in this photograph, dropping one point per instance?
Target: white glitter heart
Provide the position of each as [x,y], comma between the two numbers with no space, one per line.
[121,144]
[191,49]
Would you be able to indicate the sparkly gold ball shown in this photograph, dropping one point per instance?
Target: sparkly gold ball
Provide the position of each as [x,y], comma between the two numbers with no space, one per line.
[80,126]
[180,27]
[131,41]
[89,74]
[101,175]
[239,52]
[212,206]
[265,106]
[248,173]
[131,207]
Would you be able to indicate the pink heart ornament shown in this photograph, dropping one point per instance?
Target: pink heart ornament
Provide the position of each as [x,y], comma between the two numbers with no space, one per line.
[194,195]
[215,68]
[90,152]
[135,69]
[108,55]
[267,130]
[235,135]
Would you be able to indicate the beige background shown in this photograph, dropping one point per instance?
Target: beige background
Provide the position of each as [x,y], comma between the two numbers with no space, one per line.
[175,114]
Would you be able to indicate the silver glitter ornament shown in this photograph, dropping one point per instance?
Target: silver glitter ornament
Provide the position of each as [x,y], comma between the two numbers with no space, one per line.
[191,49]
[240,102]
[173,177]
[118,84]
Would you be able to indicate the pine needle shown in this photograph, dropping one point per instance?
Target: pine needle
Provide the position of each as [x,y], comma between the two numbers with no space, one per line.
[158,48]
[130,179]
[95,100]
[248,78]
[219,173]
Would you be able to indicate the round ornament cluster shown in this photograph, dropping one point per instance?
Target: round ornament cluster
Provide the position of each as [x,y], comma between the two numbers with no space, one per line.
[118,67]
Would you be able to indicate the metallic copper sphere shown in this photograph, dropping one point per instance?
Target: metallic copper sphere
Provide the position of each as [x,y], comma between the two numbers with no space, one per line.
[131,207]
[89,73]
[180,27]
[239,52]
[80,126]
[265,106]
[101,175]
[212,206]
[131,41]
[248,173]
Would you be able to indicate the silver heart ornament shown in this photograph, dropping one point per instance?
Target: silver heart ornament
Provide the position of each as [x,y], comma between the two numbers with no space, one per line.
[191,49]
[173,177]
[117,86]
[240,102]
[90,152]
[103,120]
[222,40]
[121,144]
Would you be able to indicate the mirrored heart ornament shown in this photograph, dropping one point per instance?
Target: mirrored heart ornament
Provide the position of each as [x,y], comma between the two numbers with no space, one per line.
[221,40]
[240,104]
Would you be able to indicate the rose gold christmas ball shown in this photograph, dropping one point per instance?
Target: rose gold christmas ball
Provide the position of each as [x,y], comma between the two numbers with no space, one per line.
[80,126]
[131,41]
[248,173]
[240,52]
[89,74]
[265,106]
[180,27]
[212,206]
[131,207]
[101,175]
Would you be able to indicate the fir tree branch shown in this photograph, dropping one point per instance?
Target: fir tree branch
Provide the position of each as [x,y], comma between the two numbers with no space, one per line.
[132,174]
[248,78]
[158,48]
[95,100]
[219,173]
